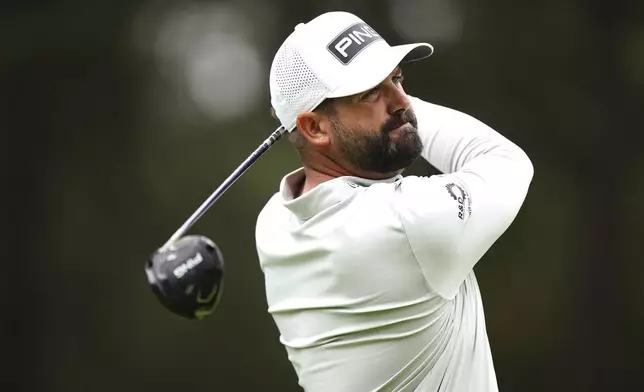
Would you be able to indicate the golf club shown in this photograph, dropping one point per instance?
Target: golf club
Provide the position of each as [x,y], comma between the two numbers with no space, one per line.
[186,273]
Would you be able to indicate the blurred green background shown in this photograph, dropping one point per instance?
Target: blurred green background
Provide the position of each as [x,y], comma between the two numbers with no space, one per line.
[120,117]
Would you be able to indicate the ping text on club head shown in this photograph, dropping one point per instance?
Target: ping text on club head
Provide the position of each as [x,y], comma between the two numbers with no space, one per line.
[187,265]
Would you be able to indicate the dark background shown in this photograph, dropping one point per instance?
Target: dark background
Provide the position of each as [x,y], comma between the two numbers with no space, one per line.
[120,117]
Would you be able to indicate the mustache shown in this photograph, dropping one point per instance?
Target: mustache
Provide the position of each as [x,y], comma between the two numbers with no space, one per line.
[400,118]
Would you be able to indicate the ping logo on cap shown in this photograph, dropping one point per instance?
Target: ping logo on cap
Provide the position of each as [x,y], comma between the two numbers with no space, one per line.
[352,41]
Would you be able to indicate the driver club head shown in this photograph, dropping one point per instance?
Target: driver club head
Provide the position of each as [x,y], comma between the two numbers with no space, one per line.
[187,276]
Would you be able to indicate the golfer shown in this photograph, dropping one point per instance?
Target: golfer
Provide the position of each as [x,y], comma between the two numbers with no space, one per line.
[368,274]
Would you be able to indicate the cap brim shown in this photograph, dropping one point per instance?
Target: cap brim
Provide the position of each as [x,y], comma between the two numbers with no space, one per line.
[378,65]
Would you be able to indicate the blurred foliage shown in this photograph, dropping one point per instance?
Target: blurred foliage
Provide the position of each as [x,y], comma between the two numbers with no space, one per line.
[105,157]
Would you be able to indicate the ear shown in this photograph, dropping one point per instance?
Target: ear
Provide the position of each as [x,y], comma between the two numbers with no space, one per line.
[314,127]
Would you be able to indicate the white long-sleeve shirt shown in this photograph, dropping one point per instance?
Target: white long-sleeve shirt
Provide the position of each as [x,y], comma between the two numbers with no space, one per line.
[370,283]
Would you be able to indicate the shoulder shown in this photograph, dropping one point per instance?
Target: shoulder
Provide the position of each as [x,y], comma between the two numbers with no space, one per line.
[269,211]
[441,200]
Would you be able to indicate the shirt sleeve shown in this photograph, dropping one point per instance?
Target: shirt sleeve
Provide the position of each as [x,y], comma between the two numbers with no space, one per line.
[452,219]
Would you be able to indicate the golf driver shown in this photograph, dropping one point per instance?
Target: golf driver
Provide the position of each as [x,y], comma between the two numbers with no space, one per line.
[187,273]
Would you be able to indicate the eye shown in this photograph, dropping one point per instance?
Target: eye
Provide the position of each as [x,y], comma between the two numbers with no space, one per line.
[398,79]
[370,95]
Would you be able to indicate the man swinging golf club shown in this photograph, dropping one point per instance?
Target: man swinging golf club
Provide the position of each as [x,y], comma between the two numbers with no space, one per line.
[368,273]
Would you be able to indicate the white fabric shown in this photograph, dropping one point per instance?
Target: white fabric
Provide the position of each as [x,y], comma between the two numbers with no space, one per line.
[305,71]
[370,283]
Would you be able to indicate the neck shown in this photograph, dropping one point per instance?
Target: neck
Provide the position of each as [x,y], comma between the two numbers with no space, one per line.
[316,174]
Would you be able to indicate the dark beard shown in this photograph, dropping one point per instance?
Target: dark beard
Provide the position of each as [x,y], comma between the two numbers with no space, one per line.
[377,152]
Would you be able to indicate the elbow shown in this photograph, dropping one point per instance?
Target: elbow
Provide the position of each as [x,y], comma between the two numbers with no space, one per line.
[519,172]
[521,165]
[527,166]
[514,163]
[524,173]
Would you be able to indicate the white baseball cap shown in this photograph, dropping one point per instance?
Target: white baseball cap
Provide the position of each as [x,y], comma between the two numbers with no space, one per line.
[334,55]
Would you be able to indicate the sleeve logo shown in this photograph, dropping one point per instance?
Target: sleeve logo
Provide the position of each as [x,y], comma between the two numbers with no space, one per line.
[464,201]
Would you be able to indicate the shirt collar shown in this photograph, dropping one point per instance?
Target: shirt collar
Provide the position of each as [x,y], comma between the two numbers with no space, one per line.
[324,195]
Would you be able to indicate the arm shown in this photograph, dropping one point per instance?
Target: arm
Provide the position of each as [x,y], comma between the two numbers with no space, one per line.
[452,219]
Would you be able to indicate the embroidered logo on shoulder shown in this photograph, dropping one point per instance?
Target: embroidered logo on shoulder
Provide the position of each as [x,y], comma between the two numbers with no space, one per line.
[460,195]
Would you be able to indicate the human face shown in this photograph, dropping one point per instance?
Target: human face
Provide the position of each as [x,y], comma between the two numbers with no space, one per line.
[376,131]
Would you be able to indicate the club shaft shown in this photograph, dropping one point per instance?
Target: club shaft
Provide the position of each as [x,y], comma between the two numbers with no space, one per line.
[252,158]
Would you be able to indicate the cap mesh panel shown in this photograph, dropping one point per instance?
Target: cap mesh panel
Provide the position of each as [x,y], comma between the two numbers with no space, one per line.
[297,87]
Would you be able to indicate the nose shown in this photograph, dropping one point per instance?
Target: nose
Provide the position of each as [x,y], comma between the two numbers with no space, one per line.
[397,100]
